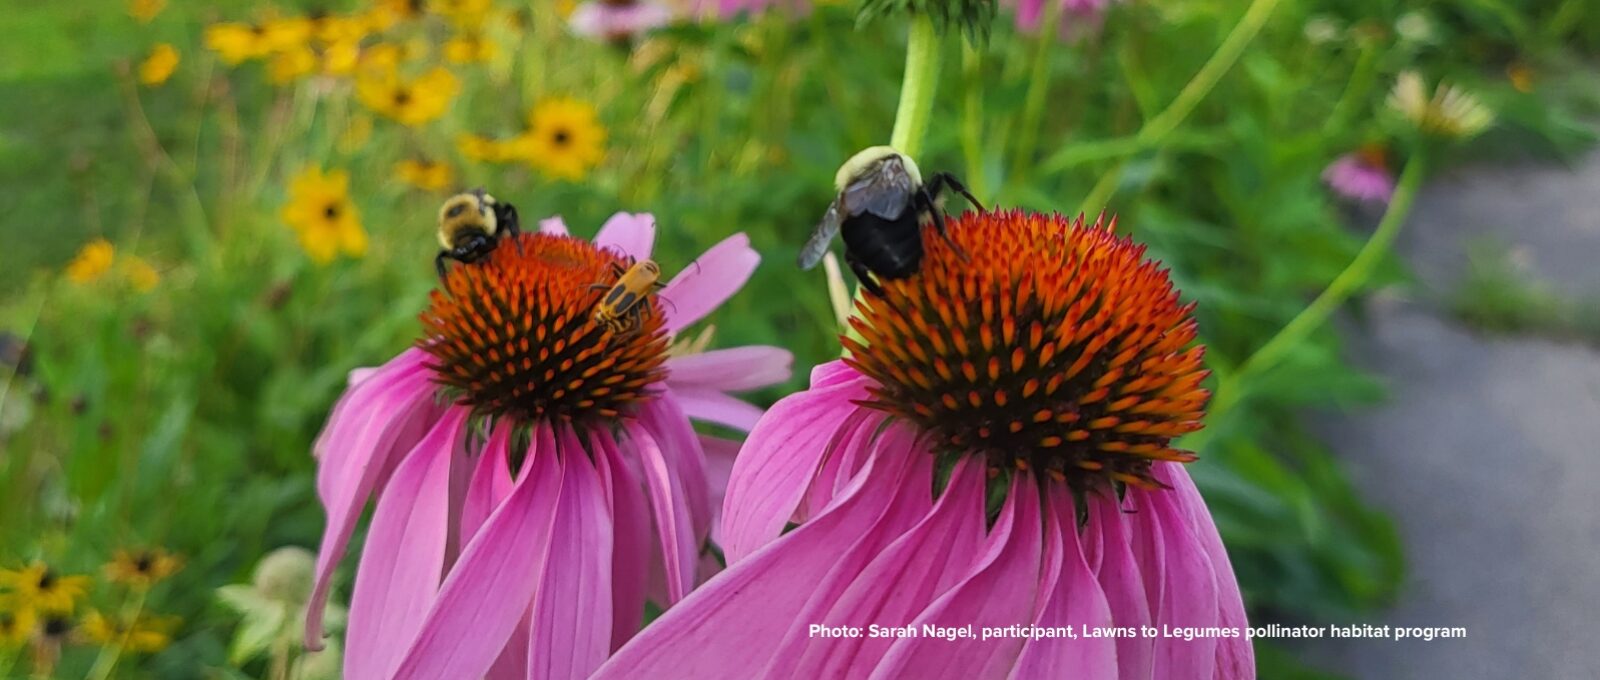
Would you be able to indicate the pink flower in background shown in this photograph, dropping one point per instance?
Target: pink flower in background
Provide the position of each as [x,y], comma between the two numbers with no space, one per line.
[536,475]
[996,451]
[616,21]
[1361,175]
[1078,17]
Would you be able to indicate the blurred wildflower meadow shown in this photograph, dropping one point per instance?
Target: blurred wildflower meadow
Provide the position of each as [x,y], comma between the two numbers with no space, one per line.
[213,212]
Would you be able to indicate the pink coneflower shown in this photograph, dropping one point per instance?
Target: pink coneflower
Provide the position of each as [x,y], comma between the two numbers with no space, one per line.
[536,474]
[1362,175]
[996,452]
[1078,17]
[618,20]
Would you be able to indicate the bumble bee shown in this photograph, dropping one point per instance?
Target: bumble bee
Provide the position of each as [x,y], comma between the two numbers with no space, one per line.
[471,224]
[881,208]
[624,306]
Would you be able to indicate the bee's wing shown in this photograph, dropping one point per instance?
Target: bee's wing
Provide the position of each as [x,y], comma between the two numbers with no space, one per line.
[817,245]
[885,192]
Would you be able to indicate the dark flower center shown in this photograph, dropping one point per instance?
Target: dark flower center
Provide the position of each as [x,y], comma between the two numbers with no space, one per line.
[331,212]
[402,97]
[513,334]
[1051,346]
[47,580]
[561,137]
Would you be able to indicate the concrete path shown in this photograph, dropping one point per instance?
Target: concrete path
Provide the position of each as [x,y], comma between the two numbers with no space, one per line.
[1488,450]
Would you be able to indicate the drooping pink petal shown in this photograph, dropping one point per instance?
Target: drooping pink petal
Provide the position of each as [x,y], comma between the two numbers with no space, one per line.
[713,406]
[1001,592]
[841,460]
[673,523]
[777,462]
[632,554]
[708,282]
[403,556]
[512,664]
[491,586]
[921,565]
[720,454]
[554,226]
[1179,581]
[571,632]
[729,622]
[1072,599]
[1235,656]
[633,235]
[1119,577]
[372,425]
[491,483]
[735,369]
[665,419]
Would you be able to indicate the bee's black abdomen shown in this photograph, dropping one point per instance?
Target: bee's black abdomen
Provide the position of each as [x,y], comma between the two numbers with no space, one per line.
[891,249]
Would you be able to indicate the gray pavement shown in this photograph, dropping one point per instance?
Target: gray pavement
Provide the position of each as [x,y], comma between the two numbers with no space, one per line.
[1487,451]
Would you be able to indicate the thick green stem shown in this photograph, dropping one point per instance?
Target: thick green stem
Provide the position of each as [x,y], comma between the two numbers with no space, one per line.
[1038,87]
[916,90]
[972,119]
[1353,278]
[1156,129]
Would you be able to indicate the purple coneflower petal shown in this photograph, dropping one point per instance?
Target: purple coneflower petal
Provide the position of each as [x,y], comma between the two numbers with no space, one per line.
[713,406]
[404,554]
[632,554]
[1120,579]
[491,483]
[488,591]
[732,370]
[378,419]
[632,234]
[554,226]
[709,281]
[1179,583]
[1072,597]
[922,563]
[731,621]
[1000,591]
[571,617]
[1236,657]
[673,521]
[669,423]
[775,467]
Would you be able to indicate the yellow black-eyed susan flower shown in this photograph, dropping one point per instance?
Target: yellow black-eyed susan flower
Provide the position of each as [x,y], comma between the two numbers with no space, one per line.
[291,65]
[40,587]
[481,148]
[322,215]
[91,262]
[411,102]
[142,568]
[158,66]
[144,635]
[565,139]
[468,47]
[16,625]
[425,174]
[145,10]
[236,42]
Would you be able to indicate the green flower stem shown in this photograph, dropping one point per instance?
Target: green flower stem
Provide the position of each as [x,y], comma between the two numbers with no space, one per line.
[1156,129]
[916,90]
[1355,275]
[112,652]
[972,119]
[1038,87]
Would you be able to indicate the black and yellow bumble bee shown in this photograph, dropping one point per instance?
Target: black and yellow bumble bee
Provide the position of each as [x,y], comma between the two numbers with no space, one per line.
[471,224]
[625,304]
[881,208]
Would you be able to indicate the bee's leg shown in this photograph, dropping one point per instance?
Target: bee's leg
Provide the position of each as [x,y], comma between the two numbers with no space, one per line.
[506,218]
[945,178]
[438,263]
[863,274]
[927,196]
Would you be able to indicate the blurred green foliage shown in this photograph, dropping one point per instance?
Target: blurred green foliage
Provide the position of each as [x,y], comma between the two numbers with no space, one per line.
[183,416]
